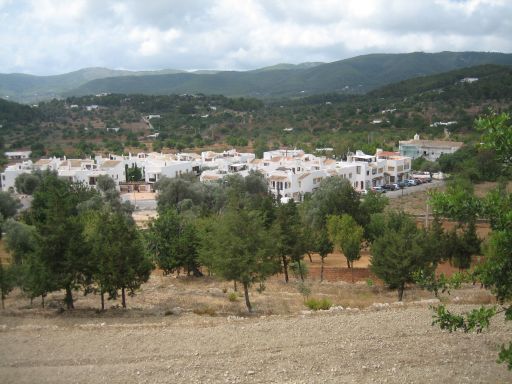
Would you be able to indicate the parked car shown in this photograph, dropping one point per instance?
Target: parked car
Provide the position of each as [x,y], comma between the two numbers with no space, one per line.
[402,184]
[391,187]
[411,182]
[378,189]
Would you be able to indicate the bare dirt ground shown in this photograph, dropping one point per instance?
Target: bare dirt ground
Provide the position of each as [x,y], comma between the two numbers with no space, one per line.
[185,330]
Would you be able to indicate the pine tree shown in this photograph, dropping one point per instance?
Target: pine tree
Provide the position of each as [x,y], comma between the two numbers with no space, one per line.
[398,252]
[237,247]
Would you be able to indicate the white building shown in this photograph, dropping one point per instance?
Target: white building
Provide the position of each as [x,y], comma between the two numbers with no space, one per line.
[429,149]
[290,174]
[18,155]
[397,167]
[11,172]
[369,170]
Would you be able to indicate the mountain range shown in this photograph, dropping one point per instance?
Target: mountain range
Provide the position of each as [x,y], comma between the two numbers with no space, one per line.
[357,75]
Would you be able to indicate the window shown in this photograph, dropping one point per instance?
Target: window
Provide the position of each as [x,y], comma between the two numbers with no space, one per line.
[358,170]
[350,175]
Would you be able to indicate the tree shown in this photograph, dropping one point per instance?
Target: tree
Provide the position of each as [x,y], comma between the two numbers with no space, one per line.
[32,276]
[289,237]
[118,254]
[27,183]
[109,196]
[236,246]
[7,281]
[398,252]
[172,191]
[496,271]
[324,247]
[61,248]
[173,242]
[133,173]
[347,235]
[497,135]
[8,205]
[335,196]
[20,240]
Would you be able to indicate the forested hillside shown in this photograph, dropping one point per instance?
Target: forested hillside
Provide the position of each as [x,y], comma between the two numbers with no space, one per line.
[356,75]
[77,126]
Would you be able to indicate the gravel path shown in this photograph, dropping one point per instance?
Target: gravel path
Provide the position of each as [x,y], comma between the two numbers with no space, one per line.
[388,346]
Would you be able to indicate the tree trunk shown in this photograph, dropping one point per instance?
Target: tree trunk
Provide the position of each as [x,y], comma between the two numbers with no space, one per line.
[42,299]
[285,268]
[235,288]
[3,305]
[401,291]
[321,269]
[69,298]
[348,263]
[352,271]
[196,272]
[102,300]
[246,294]
[310,259]
[123,297]
[301,273]
[32,300]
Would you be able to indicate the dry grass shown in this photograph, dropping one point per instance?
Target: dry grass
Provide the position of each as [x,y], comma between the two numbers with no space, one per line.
[162,295]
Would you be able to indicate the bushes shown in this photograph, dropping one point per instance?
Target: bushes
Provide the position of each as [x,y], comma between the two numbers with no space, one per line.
[316,304]
[232,296]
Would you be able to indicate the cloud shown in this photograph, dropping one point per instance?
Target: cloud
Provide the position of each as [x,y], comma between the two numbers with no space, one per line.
[55,36]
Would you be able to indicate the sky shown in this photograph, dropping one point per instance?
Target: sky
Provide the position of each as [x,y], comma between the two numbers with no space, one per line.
[56,36]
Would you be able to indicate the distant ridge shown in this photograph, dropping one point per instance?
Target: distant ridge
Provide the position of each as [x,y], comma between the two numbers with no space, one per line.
[356,75]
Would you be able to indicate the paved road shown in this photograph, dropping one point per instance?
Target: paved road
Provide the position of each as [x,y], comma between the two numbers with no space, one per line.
[140,204]
[416,188]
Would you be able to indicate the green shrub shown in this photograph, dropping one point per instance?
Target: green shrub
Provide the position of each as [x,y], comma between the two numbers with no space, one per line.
[369,282]
[316,304]
[232,296]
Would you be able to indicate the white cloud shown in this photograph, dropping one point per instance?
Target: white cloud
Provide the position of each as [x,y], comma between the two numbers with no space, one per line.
[54,36]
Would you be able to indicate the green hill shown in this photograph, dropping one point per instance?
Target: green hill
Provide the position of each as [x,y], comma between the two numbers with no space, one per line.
[29,88]
[356,75]
[488,82]
[352,76]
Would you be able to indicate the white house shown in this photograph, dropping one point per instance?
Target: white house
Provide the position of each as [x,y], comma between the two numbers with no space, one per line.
[397,167]
[369,170]
[11,172]
[18,155]
[429,149]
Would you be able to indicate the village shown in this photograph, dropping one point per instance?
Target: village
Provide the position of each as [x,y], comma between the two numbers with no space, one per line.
[290,173]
